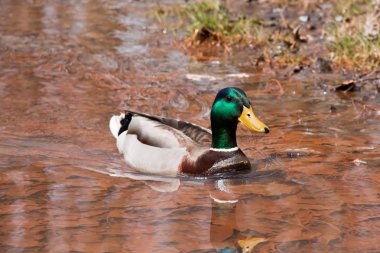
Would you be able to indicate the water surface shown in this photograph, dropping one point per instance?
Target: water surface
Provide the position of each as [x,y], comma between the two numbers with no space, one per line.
[67,66]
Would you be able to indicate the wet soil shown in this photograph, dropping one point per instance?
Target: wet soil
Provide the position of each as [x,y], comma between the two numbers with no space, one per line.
[66,67]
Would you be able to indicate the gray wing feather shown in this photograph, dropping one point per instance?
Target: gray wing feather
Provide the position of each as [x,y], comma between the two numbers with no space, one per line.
[198,134]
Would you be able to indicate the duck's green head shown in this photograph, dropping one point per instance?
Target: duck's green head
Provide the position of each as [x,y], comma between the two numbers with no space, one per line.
[230,107]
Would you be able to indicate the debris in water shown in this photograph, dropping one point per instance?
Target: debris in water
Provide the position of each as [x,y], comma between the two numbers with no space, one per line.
[303,19]
[359,162]
[269,87]
[201,77]
[247,245]
[339,18]
[348,85]
[197,77]
[238,75]
[363,109]
[299,36]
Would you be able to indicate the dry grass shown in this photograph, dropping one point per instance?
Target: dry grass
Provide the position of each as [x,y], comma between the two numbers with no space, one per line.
[208,24]
[346,39]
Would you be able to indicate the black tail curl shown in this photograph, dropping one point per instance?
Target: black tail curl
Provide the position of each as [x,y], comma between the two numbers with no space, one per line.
[125,123]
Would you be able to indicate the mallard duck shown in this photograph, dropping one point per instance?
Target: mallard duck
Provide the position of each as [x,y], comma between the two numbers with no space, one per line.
[157,145]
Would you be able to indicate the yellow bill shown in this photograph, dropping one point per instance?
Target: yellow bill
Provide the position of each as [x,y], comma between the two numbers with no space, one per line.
[249,119]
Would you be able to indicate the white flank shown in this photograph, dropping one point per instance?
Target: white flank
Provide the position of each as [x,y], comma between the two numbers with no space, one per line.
[149,159]
[224,149]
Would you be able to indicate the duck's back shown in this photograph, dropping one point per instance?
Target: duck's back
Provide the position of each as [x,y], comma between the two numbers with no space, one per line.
[198,134]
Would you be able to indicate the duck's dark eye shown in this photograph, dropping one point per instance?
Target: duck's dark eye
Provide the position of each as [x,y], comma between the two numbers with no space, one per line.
[228,98]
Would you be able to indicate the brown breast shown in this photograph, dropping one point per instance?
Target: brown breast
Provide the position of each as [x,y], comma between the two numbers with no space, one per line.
[213,162]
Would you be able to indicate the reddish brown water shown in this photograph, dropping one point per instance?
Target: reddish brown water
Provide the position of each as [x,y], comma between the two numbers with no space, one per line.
[66,67]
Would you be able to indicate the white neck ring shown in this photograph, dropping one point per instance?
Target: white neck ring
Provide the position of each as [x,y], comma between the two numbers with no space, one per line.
[225,149]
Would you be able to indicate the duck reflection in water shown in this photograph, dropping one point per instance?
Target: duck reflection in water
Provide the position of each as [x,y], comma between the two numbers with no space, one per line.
[224,233]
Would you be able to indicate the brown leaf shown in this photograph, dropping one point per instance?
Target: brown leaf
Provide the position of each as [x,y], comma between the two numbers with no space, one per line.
[348,85]
[298,36]
[247,245]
